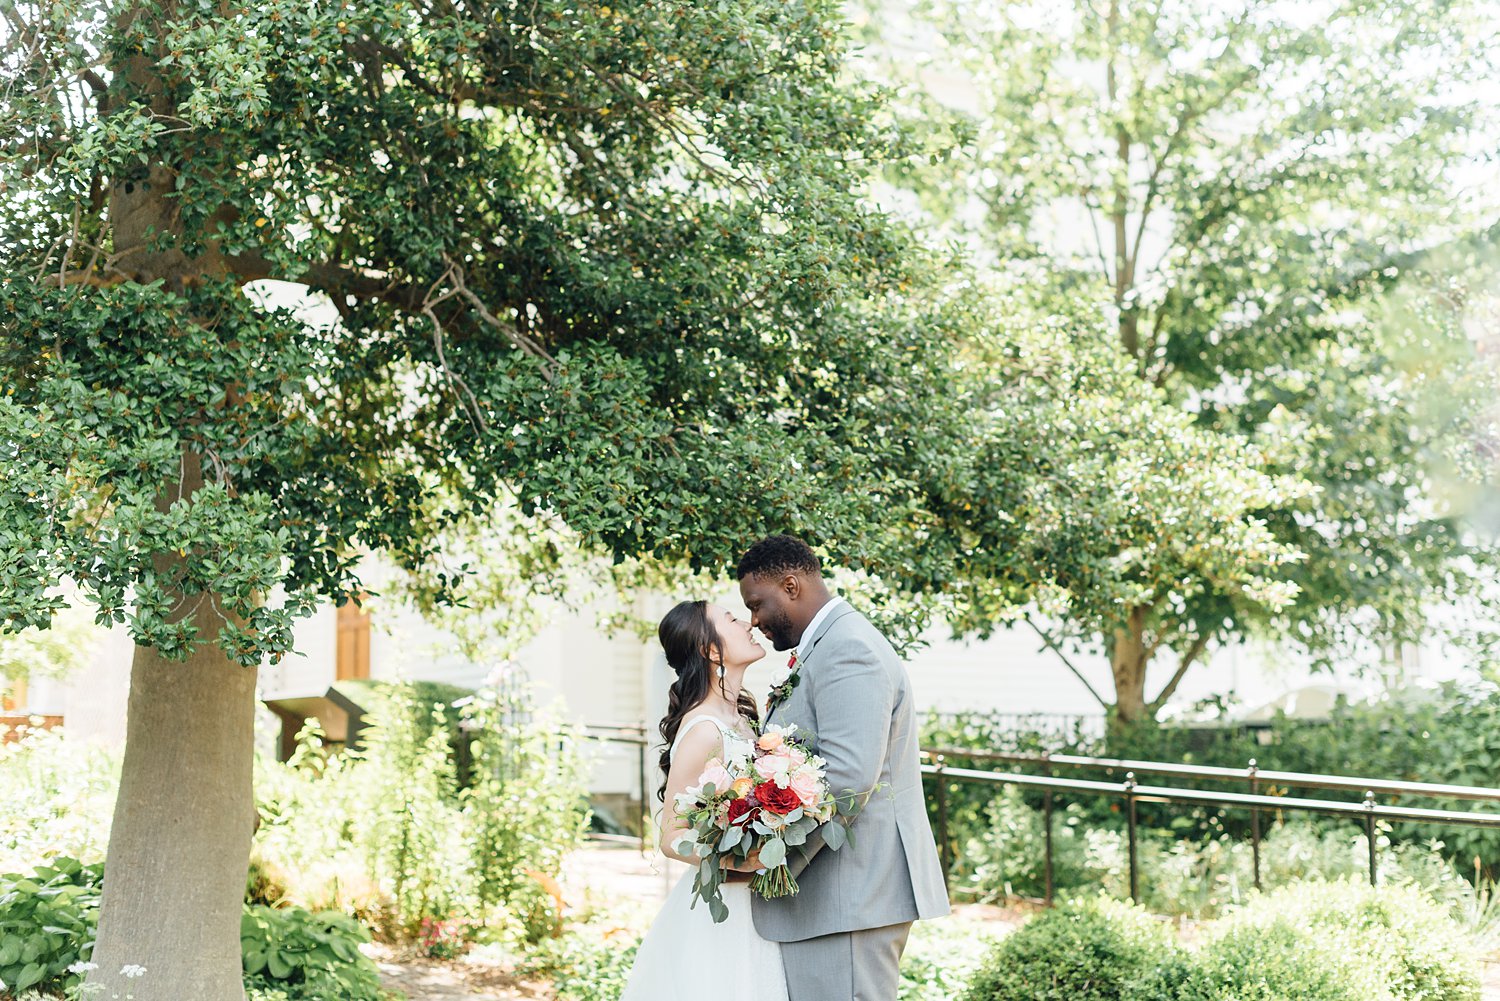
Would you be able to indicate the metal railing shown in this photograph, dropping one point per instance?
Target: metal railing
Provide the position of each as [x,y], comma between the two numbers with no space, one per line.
[633,734]
[1367,811]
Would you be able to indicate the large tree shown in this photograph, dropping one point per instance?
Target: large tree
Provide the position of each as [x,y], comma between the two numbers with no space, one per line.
[1279,210]
[610,264]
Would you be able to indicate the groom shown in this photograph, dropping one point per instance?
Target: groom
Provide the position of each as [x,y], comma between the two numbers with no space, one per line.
[842,935]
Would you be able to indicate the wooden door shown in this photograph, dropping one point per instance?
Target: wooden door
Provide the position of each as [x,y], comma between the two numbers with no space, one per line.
[352,658]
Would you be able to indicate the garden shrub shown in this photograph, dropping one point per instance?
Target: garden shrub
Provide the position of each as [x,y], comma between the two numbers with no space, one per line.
[47,923]
[1085,950]
[1338,941]
[941,956]
[391,836]
[59,797]
[312,956]
[1274,963]
[1396,933]
[588,964]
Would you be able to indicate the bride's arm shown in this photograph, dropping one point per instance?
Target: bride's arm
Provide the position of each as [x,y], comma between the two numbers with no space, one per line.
[700,744]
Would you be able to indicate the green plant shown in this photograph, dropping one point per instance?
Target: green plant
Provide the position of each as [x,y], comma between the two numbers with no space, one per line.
[588,963]
[47,922]
[388,834]
[1324,941]
[1084,950]
[309,955]
[940,957]
[58,794]
[1444,736]
[524,808]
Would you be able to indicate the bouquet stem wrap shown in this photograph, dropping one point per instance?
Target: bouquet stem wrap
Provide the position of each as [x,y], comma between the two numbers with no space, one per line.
[772,883]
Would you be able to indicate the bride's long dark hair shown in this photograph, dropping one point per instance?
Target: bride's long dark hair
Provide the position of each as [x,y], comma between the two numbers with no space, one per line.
[693,650]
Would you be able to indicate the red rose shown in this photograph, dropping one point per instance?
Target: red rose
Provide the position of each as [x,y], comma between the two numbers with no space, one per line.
[775,798]
[741,809]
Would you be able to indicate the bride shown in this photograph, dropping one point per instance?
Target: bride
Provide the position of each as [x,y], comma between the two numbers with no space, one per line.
[708,716]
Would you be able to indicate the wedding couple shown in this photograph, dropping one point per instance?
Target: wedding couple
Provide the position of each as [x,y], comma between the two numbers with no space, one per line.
[841,936]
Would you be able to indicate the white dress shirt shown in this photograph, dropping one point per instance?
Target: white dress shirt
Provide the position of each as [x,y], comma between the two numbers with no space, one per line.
[812,627]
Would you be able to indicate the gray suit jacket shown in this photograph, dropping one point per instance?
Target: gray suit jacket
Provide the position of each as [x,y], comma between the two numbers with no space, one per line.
[855,698]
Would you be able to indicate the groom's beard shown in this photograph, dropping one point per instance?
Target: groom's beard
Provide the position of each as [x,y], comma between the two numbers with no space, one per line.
[779,631]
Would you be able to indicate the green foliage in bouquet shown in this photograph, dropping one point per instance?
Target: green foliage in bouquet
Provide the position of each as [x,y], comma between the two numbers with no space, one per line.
[733,812]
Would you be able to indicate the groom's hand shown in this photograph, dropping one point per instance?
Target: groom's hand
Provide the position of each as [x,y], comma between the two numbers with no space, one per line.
[750,863]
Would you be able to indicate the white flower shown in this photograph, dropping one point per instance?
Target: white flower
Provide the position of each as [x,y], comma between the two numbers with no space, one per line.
[82,967]
[779,674]
[132,971]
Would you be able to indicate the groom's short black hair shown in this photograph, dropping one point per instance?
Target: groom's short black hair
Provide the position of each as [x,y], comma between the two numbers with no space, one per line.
[777,555]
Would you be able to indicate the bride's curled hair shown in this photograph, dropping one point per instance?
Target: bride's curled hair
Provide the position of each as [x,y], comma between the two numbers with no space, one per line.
[693,651]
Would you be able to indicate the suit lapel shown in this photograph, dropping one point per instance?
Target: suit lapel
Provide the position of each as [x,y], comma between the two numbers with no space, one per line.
[823,627]
[812,643]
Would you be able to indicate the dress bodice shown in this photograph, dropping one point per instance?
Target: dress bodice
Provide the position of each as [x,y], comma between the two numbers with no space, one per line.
[731,742]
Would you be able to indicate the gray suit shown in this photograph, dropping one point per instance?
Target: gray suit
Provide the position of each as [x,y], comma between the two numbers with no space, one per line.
[843,933]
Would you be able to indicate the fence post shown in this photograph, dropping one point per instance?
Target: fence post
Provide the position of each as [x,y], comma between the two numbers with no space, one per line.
[641,774]
[942,805]
[1254,773]
[1047,820]
[1369,805]
[1135,889]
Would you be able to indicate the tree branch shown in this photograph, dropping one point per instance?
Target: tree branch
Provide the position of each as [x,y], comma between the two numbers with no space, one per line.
[1188,659]
[1052,645]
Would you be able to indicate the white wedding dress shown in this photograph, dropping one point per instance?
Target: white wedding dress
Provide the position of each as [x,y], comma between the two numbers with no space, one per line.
[685,956]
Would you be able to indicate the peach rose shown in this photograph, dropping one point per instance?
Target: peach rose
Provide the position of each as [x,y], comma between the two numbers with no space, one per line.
[806,785]
[771,740]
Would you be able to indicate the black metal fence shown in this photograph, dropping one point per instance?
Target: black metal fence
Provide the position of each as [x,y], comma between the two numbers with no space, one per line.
[1366,810]
[633,735]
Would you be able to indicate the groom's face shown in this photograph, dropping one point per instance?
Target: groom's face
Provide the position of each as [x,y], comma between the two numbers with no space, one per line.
[769,600]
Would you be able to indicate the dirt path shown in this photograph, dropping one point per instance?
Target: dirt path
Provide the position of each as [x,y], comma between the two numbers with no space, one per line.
[422,979]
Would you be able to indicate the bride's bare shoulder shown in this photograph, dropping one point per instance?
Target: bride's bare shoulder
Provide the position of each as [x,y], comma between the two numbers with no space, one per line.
[696,745]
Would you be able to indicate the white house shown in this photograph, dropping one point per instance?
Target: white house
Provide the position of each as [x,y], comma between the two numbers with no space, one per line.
[595,677]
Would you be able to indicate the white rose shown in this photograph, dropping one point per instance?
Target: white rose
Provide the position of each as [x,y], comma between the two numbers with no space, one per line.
[779,674]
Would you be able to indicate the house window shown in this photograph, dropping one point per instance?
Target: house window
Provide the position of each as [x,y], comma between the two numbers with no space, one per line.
[12,695]
[352,656]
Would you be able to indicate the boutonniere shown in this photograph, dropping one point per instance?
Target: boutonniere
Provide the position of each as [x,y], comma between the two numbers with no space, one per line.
[783,680]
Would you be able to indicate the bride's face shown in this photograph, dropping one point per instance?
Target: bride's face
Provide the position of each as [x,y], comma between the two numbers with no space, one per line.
[740,648]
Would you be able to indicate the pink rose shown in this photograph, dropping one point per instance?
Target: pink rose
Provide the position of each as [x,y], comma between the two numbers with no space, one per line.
[716,773]
[773,766]
[806,785]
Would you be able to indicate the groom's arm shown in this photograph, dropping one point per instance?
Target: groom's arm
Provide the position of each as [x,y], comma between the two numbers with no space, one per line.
[854,699]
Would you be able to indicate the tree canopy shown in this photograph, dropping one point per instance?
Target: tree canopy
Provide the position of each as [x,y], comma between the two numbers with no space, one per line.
[1281,217]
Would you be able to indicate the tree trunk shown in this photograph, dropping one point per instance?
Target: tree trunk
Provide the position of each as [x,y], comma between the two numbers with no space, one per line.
[174,878]
[1128,662]
[179,848]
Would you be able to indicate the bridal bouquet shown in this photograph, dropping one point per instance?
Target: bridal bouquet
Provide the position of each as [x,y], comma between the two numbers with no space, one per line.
[770,800]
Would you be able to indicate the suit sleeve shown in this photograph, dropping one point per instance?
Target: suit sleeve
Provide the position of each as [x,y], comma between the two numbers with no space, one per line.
[854,698]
